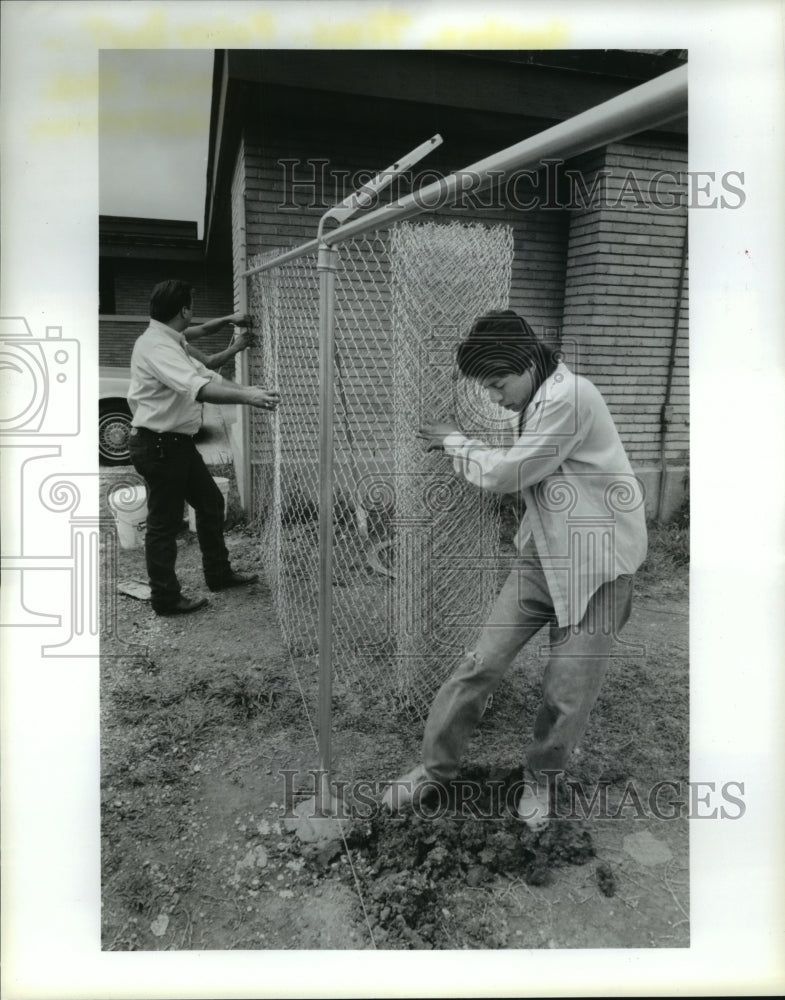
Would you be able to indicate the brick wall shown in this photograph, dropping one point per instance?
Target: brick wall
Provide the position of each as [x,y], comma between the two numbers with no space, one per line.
[605,275]
[118,336]
[537,278]
[620,300]
[116,340]
[134,279]
[540,235]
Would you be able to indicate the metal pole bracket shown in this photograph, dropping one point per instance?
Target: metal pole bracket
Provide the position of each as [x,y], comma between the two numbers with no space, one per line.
[327,258]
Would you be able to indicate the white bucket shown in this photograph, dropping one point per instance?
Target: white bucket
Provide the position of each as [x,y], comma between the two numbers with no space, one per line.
[223,486]
[129,507]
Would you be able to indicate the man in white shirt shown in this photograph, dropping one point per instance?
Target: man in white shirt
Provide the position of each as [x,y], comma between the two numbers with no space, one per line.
[241,341]
[168,387]
[582,537]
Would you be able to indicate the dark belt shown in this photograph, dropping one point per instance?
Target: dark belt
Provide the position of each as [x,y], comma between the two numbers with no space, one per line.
[161,435]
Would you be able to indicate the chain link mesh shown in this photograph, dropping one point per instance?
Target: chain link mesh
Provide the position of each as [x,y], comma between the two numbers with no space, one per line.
[414,547]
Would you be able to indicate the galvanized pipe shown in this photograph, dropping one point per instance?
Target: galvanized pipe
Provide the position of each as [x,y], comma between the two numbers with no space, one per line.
[327,265]
[294,254]
[644,107]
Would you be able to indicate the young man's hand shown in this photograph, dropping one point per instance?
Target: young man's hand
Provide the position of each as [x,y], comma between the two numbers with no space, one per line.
[240,319]
[242,341]
[435,432]
[262,399]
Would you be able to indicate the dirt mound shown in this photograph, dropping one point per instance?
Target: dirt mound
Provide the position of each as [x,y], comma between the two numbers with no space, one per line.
[409,866]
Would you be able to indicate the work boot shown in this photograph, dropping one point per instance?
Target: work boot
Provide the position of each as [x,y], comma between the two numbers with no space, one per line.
[182,606]
[533,807]
[406,791]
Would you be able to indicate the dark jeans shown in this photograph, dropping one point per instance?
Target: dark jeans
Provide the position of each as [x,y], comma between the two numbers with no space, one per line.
[573,675]
[175,472]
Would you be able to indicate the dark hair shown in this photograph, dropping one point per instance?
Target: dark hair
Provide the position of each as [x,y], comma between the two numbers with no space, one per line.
[168,298]
[503,343]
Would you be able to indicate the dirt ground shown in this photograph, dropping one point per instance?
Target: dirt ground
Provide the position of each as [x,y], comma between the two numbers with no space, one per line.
[202,715]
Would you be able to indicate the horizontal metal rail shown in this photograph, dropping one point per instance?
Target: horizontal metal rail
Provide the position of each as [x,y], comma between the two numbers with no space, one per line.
[644,107]
[300,251]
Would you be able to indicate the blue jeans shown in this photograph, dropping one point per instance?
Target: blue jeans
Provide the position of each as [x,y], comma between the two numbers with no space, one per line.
[571,682]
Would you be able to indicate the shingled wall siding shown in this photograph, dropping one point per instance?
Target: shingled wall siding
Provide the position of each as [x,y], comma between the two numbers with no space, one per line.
[620,299]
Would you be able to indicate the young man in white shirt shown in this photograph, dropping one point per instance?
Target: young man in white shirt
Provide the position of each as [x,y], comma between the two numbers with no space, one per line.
[581,539]
[168,387]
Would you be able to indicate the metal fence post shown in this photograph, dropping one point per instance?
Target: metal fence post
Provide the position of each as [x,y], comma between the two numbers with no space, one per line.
[327,265]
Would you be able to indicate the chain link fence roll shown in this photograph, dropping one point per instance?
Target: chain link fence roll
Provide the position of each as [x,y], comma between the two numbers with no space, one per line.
[415,548]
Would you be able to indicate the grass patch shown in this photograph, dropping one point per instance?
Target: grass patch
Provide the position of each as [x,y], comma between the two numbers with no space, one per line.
[196,731]
[667,561]
[163,719]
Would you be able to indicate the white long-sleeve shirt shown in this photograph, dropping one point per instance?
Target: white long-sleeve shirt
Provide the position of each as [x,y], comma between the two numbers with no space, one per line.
[584,504]
[165,381]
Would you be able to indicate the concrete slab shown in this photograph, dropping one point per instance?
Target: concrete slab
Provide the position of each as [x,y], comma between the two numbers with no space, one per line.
[315,823]
[139,589]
